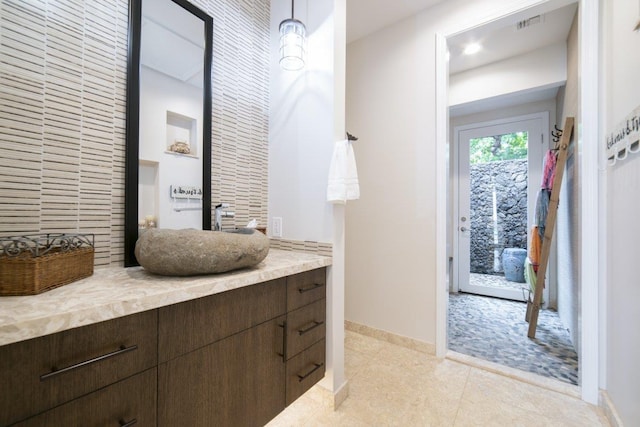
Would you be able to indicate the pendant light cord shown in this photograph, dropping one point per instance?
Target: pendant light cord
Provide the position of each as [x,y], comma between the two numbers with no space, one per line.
[292,3]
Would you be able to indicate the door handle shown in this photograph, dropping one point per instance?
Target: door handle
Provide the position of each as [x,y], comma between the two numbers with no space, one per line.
[463,229]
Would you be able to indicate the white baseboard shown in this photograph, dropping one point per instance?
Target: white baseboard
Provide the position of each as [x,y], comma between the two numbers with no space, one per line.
[392,338]
[609,409]
[328,398]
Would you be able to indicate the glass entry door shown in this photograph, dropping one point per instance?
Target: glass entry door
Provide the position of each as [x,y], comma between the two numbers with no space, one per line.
[499,173]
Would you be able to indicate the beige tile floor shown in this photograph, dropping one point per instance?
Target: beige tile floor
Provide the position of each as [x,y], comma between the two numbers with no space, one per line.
[391,385]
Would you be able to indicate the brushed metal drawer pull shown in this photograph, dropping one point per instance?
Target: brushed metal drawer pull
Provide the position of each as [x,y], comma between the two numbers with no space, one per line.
[284,341]
[310,328]
[315,368]
[310,288]
[55,371]
[123,423]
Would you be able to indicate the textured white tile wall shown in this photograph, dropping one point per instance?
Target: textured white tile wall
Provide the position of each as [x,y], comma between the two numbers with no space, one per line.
[319,248]
[62,115]
[240,124]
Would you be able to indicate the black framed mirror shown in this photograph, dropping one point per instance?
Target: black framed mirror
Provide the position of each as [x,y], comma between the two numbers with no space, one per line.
[168,132]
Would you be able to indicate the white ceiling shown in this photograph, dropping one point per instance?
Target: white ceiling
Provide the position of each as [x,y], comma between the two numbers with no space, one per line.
[499,38]
[172,41]
[368,16]
[503,40]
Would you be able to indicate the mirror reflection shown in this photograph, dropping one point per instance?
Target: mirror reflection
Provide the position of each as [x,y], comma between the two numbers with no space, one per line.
[171,112]
[168,165]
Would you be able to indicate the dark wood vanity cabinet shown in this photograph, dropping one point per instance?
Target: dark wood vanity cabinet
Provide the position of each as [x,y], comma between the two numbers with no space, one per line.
[237,381]
[194,324]
[42,373]
[221,360]
[240,357]
[126,403]
[236,358]
[306,331]
[304,370]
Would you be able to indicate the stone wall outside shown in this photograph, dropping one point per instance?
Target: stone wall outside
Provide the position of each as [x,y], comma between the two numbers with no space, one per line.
[510,180]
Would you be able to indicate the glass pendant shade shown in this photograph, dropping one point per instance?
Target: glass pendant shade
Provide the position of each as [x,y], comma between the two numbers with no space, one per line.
[293,44]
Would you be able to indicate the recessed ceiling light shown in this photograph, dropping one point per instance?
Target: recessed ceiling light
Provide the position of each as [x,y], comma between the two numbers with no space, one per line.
[472,48]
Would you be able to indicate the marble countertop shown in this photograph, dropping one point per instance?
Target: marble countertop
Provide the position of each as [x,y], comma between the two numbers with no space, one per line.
[115,292]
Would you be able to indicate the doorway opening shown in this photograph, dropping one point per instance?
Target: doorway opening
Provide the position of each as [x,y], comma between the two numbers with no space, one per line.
[489,226]
[497,171]
[585,262]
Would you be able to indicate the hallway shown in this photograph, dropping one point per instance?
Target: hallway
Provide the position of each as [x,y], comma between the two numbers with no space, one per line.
[495,330]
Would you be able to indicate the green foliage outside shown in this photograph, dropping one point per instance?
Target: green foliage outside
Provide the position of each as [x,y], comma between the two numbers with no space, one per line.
[509,146]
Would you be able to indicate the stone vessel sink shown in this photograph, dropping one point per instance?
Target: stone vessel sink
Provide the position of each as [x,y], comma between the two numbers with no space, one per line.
[194,252]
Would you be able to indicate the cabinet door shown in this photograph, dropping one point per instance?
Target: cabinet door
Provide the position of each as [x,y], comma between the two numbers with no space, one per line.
[48,371]
[193,324]
[125,403]
[238,381]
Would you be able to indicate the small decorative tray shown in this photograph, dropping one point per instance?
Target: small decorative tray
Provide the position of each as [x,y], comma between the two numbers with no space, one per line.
[33,264]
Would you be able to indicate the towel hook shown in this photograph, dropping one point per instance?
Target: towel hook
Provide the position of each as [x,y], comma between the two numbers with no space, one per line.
[557,134]
[351,137]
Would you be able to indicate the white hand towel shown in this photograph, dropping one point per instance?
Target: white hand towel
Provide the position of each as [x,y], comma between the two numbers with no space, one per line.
[343,174]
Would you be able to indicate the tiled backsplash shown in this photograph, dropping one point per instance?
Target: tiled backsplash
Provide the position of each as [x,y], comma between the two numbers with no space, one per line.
[324,249]
[62,116]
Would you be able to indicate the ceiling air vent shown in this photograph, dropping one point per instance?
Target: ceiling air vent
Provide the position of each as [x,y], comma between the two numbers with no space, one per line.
[526,23]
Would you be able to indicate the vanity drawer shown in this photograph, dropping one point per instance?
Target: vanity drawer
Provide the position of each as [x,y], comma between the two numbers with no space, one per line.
[44,372]
[305,326]
[304,288]
[193,324]
[127,402]
[304,370]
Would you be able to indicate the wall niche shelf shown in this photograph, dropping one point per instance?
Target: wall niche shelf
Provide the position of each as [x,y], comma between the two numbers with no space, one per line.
[148,200]
[173,153]
[181,132]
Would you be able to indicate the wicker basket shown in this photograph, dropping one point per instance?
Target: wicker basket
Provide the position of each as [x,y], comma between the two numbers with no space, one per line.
[33,264]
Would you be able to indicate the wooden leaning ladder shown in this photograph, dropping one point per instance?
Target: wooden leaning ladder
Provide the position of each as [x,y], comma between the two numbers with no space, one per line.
[563,147]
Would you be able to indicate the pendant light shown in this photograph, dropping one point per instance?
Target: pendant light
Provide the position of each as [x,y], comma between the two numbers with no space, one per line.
[293,43]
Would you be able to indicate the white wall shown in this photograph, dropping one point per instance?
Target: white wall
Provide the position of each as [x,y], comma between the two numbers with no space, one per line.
[542,68]
[391,241]
[568,223]
[623,210]
[159,94]
[301,127]
[548,105]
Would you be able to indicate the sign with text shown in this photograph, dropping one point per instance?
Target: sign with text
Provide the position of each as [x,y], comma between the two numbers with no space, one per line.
[185,192]
[624,139]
